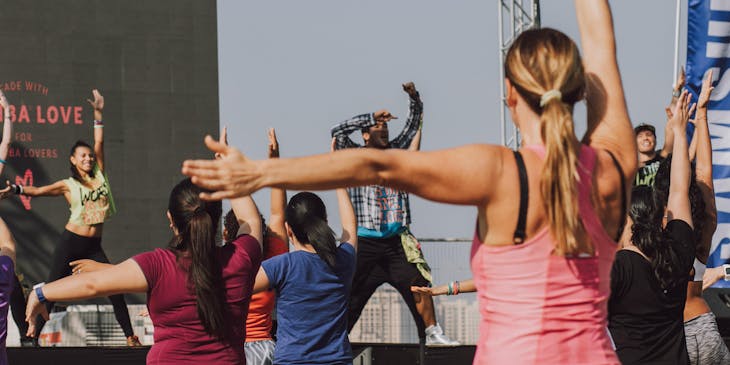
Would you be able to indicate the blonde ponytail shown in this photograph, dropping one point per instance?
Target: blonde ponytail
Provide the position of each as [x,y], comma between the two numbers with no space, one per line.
[559,180]
[545,68]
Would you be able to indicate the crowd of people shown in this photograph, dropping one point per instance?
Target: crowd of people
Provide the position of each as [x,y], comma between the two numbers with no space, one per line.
[586,250]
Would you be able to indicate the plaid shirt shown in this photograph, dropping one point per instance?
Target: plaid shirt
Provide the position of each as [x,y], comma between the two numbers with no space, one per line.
[377,205]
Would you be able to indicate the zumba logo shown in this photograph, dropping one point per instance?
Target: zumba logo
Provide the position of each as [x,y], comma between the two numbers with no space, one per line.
[26,180]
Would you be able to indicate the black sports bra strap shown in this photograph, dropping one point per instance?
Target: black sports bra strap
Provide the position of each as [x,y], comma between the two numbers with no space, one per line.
[623,195]
[519,236]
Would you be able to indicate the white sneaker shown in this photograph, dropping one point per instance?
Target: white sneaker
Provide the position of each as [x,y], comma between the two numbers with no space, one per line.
[435,337]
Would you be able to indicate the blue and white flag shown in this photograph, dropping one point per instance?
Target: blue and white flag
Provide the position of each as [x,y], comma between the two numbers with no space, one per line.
[708,47]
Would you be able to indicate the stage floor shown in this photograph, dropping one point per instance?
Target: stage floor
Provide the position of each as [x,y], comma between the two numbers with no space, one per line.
[382,354]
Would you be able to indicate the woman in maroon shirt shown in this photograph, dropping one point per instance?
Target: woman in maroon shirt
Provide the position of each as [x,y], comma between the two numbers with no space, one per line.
[197,293]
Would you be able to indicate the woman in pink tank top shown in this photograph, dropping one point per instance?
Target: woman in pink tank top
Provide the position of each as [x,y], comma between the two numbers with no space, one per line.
[545,231]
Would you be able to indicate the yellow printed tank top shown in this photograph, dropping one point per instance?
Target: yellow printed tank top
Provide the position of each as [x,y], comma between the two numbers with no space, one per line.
[90,206]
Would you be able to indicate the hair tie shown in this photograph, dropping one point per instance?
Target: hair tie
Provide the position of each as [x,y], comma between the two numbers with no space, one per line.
[550,95]
[198,210]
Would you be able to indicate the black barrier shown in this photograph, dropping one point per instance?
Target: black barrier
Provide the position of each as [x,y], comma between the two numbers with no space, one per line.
[156,64]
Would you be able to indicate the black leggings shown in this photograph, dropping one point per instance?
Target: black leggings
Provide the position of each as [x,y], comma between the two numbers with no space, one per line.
[17,307]
[380,261]
[74,247]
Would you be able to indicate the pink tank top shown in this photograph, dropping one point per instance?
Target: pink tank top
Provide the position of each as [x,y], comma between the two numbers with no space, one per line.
[539,308]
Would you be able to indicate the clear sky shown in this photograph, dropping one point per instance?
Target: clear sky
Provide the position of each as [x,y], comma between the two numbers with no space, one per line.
[303,66]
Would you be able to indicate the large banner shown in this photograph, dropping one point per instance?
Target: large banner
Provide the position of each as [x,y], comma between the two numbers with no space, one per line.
[708,47]
[155,62]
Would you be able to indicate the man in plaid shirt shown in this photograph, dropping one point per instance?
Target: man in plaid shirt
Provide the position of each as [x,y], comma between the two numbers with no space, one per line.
[383,217]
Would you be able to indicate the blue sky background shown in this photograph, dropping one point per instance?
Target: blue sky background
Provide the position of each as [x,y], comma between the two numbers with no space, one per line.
[302,67]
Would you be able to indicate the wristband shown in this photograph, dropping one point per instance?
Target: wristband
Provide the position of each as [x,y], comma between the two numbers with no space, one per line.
[99,126]
[457,287]
[3,161]
[98,122]
[17,189]
[39,292]
[676,93]
[450,289]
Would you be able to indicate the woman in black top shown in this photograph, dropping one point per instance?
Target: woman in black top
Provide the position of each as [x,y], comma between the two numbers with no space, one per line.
[650,274]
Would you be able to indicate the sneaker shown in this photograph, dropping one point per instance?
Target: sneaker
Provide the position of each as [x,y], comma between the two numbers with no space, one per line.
[435,337]
[133,341]
[26,341]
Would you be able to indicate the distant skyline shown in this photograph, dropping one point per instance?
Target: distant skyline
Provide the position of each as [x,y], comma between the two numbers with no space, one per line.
[302,67]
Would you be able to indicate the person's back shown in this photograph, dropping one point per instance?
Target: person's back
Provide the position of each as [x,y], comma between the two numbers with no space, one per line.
[179,334]
[539,307]
[312,306]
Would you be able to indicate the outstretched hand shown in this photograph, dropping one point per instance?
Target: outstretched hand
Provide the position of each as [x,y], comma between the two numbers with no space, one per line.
[86,265]
[273,144]
[231,176]
[706,91]
[98,102]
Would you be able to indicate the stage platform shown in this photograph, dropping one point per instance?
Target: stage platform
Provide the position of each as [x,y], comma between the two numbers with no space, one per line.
[366,354]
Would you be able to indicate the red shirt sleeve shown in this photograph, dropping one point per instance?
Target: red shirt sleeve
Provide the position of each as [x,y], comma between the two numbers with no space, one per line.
[151,265]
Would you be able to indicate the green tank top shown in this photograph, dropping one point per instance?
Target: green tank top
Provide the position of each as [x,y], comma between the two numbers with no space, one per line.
[90,206]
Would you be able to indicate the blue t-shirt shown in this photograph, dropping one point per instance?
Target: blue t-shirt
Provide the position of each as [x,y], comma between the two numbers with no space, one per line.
[311,306]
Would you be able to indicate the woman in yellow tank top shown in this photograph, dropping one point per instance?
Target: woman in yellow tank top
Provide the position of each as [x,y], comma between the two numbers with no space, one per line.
[90,201]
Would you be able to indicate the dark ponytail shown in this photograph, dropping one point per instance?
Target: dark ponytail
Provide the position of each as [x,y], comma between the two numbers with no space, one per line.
[647,234]
[196,222]
[307,217]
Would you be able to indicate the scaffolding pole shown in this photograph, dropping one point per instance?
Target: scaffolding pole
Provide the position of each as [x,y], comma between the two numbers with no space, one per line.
[521,15]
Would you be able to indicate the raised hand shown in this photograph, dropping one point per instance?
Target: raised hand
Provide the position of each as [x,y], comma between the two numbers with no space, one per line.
[681,80]
[410,89]
[682,110]
[232,175]
[223,140]
[384,116]
[273,144]
[704,97]
[4,103]
[98,102]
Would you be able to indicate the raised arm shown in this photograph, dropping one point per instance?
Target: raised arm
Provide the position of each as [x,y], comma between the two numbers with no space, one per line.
[678,206]
[347,218]
[7,132]
[413,123]
[342,131]
[278,196]
[668,133]
[703,168]
[609,127]
[453,176]
[98,105]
